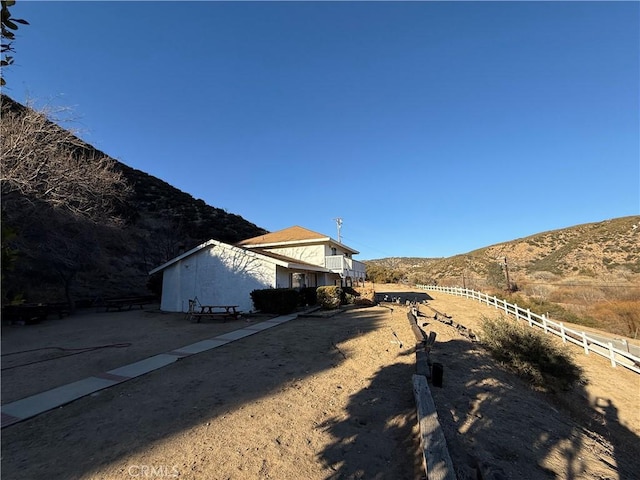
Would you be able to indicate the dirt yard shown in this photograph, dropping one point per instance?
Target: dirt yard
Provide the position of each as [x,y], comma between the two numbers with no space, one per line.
[316,398]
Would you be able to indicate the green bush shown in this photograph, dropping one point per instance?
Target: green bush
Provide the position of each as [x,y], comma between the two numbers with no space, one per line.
[308,296]
[530,354]
[275,300]
[329,297]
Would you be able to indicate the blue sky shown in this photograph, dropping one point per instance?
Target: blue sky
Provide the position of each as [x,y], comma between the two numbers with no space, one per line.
[430,128]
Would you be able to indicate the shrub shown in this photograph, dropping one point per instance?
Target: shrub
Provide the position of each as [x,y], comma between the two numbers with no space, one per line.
[308,296]
[529,354]
[329,297]
[349,296]
[366,296]
[275,300]
[618,316]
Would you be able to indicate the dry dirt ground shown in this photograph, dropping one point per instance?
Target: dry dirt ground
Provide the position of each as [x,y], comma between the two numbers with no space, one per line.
[315,398]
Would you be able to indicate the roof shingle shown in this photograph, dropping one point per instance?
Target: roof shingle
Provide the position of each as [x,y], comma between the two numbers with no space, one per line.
[291,234]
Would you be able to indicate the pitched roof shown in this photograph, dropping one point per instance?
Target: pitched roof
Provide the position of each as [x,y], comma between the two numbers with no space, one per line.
[291,234]
[186,254]
[281,260]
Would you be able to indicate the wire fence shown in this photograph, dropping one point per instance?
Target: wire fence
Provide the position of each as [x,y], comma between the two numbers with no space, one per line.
[617,351]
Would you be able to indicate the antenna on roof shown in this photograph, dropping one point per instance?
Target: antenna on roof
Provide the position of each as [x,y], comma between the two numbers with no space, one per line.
[339,225]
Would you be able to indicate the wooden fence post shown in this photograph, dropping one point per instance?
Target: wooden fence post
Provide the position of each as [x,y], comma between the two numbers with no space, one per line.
[544,324]
[517,311]
[529,317]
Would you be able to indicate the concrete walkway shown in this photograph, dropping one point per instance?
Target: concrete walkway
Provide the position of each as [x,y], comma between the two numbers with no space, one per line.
[28,407]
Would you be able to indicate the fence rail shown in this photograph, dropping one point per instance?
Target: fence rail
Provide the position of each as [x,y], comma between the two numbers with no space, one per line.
[600,346]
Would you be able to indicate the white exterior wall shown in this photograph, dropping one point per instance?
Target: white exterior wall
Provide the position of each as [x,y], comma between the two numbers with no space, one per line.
[282,278]
[216,275]
[328,252]
[313,254]
[328,279]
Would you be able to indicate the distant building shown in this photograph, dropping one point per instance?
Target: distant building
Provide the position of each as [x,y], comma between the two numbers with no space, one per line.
[217,273]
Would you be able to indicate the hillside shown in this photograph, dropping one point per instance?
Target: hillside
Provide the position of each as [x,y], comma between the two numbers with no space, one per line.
[595,251]
[587,274]
[55,256]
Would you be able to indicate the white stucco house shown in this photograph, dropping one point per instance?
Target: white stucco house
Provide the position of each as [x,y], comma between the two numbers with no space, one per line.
[217,273]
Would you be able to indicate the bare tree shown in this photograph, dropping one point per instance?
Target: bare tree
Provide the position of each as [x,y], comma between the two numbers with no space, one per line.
[57,194]
[41,161]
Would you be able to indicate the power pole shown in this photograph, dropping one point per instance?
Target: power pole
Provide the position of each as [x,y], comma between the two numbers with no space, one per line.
[506,273]
[339,225]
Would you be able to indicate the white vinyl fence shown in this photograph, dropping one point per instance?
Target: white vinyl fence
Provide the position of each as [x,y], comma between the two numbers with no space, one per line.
[601,345]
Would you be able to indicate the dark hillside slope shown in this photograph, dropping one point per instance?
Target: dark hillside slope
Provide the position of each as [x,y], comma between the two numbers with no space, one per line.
[158,222]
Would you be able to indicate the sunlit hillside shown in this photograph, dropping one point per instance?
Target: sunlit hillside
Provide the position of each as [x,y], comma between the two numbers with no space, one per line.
[589,273]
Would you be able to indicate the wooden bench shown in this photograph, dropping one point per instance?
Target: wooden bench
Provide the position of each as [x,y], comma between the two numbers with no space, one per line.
[126,303]
[25,314]
[61,309]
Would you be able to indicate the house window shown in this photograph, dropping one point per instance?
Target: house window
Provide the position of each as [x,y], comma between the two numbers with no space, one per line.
[298,280]
[333,251]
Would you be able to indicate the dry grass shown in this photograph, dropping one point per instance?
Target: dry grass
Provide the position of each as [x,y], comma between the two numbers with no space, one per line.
[367,295]
[615,309]
[618,316]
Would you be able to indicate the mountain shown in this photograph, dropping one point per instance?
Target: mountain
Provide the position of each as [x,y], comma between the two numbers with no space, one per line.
[593,252]
[587,274]
[92,259]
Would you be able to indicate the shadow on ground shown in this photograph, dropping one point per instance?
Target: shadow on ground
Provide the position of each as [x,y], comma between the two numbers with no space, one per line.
[487,426]
[494,423]
[87,436]
[361,449]
[56,352]
[402,297]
